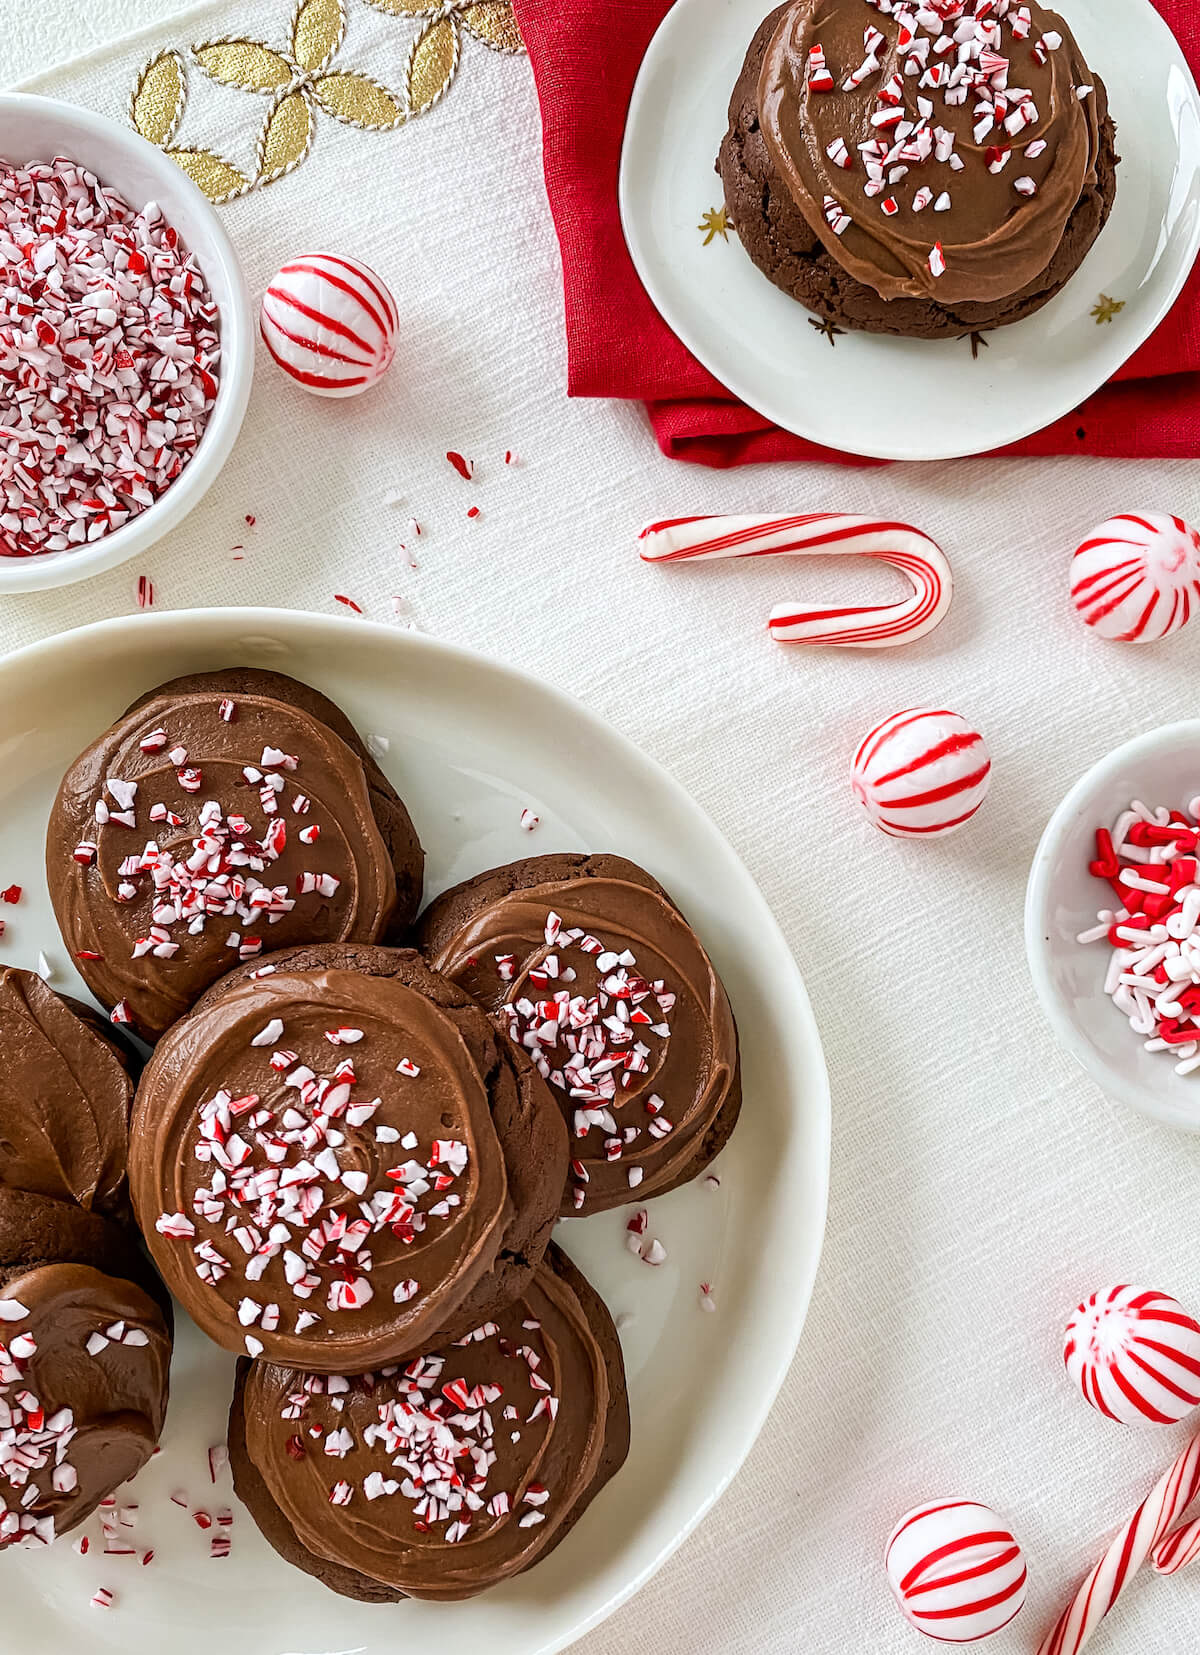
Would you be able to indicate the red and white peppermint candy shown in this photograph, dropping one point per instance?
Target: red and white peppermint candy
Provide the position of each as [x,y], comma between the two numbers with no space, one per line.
[956,1570]
[330,323]
[921,773]
[821,534]
[1135,1355]
[1137,577]
[1152,1523]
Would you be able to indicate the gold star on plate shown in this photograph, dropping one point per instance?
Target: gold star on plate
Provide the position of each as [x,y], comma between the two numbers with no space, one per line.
[716,222]
[826,328]
[1107,308]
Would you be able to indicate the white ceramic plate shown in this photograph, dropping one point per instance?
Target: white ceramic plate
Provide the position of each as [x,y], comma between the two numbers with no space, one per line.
[942,403]
[471,743]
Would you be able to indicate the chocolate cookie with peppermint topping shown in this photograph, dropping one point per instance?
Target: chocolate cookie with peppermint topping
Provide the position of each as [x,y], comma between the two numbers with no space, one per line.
[440,1477]
[223,815]
[587,964]
[336,1160]
[85,1352]
[927,168]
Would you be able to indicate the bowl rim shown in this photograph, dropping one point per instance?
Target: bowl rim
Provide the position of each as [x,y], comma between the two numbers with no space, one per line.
[50,569]
[1075,803]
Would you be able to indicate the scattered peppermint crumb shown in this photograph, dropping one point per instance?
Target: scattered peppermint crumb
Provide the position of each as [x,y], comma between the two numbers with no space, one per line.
[378,744]
[465,468]
[144,592]
[340,597]
[707,1302]
[12,894]
[529,821]
[473,512]
[712,1182]
[237,553]
[393,497]
[250,519]
[624,1320]
[103,1598]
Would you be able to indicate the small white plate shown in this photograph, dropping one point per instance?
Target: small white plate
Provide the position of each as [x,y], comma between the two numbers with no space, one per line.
[907,399]
[470,744]
[1062,899]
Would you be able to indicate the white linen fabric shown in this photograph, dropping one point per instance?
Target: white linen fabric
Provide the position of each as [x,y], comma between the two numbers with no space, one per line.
[980,1185]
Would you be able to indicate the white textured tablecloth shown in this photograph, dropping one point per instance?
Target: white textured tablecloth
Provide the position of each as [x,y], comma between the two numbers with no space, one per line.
[980,1184]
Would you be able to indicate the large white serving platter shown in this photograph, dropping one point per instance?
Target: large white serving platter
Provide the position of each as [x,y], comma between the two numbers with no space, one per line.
[470,744]
[908,399]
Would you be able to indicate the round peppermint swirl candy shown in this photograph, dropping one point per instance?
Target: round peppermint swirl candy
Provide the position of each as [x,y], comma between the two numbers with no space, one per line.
[955,1570]
[335,1161]
[330,323]
[1136,578]
[1135,1355]
[223,816]
[443,1476]
[921,773]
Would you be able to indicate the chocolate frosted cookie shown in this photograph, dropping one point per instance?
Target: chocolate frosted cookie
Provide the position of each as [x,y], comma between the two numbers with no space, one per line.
[588,965]
[224,814]
[336,1160]
[452,1473]
[927,170]
[85,1354]
[66,1088]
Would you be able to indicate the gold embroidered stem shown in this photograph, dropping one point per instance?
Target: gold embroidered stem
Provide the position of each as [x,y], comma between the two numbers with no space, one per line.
[307,76]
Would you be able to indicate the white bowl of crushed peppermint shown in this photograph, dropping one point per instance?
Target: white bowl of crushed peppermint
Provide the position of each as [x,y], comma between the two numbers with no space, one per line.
[126,344]
[1112,923]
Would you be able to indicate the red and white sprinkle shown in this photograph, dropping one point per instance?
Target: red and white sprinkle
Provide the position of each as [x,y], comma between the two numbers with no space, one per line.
[108,358]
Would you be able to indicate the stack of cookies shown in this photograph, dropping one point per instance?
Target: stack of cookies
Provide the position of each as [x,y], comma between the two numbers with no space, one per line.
[347,1150]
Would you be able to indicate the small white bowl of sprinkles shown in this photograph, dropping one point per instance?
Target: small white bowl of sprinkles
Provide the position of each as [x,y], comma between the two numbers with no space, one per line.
[1112,923]
[126,344]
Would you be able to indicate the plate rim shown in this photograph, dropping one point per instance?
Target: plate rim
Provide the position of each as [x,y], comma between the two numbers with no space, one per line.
[797,426]
[309,626]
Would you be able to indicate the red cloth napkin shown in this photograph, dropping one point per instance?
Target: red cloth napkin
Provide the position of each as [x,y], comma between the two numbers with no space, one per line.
[585,56]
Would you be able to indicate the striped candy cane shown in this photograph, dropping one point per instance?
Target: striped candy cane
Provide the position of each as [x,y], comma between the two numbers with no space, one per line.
[1178,1549]
[821,534]
[1153,1520]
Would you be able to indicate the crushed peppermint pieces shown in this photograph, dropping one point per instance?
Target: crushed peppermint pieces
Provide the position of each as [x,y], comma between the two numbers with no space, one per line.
[465,468]
[592,1046]
[219,876]
[289,1200]
[1150,858]
[437,1441]
[109,356]
[951,50]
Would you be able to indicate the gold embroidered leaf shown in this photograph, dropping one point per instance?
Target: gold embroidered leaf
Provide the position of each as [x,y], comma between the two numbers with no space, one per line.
[358,100]
[286,137]
[218,179]
[246,64]
[408,8]
[317,30]
[431,64]
[492,21]
[156,102]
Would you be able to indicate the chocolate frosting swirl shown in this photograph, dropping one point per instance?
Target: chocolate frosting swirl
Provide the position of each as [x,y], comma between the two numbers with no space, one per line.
[84,1362]
[316,1169]
[184,841]
[65,1097]
[647,1011]
[518,1409]
[999,208]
